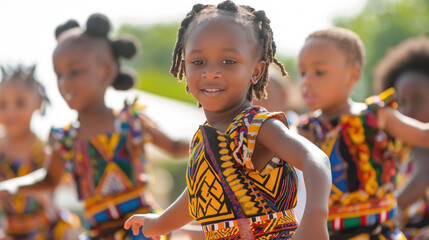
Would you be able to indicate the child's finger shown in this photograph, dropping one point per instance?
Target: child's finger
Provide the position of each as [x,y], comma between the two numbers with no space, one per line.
[129,222]
[136,228]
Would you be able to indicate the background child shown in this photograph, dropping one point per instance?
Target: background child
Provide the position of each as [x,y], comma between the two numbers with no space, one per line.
[240,179]
[104,150]
[280,95]
[406,68]
[22,152]
[361,201]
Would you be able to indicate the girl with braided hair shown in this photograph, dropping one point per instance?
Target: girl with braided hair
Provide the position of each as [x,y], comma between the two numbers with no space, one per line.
[241,183]
[27,217]
[105,150]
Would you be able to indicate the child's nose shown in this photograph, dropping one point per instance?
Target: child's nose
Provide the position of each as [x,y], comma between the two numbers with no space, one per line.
[211,75]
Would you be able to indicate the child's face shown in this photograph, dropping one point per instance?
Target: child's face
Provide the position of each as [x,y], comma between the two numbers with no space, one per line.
[78,71]
[325,76]
[220,62]
[17,105]
[412,89]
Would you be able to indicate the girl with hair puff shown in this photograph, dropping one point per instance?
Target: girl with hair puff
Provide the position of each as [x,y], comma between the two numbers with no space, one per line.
[104,150]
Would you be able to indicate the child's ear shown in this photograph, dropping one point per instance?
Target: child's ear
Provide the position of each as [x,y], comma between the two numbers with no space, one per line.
[110,72]
[258,70]
[355,73]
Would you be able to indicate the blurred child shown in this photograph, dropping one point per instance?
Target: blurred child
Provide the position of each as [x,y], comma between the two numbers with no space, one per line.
[406,68]
[104,150]
[354,135]
[240,178]
[22,152]
[279,95]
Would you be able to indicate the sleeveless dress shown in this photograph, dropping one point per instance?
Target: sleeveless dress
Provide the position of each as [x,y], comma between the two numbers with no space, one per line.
[33,218]
[361,203]
[111,174]
[227,195]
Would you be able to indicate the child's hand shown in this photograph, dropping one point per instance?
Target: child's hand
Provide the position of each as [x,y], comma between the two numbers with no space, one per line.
[148,222]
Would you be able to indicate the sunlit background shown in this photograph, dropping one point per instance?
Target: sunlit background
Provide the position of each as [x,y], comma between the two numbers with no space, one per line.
[27,37]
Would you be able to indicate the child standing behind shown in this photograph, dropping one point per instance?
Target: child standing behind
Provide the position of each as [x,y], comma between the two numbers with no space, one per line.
[104,150]
[353,135]
[405,67]
[22,152]
[240,178]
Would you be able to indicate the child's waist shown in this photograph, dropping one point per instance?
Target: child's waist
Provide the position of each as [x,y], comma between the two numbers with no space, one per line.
[100,209]
[364,213]
[288,215]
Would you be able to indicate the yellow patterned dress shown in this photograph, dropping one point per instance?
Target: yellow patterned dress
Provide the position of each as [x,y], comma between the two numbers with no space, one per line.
[227,195]
[110,171]
[34,218]
[363,170]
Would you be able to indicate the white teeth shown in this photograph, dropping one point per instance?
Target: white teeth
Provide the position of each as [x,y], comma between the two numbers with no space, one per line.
[212,90]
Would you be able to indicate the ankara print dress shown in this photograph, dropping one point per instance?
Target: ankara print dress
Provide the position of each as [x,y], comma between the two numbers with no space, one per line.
[227,195]
[361,200]
[34,218]
[110,171]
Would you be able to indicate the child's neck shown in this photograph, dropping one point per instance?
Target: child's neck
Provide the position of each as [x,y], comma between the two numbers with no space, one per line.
[222,120]
[19,146]
[343,108]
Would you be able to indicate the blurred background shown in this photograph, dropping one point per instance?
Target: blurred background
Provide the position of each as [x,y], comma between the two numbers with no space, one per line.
[27,37]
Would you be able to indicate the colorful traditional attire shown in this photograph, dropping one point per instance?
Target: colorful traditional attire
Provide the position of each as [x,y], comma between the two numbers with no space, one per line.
[415,216]
[227,195]
[361,203]
[110,171]
[34,218]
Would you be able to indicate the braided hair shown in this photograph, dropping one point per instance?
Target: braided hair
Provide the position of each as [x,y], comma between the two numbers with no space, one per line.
[411,55]
[27,77]
[98,26]
[248,17]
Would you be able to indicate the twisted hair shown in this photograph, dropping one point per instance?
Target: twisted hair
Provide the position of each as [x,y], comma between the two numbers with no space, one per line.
[27,77]
[247,17]
[98,26]
[411,55]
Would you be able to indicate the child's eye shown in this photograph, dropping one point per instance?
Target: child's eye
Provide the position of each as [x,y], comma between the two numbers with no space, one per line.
[228,61]
[319,73]
[302,74]
[74,72]
[197,62]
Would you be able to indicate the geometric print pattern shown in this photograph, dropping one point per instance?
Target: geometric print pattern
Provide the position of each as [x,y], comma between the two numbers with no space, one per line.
[223,184]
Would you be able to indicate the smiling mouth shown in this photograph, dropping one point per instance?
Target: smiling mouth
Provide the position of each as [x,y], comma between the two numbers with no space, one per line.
[212,92]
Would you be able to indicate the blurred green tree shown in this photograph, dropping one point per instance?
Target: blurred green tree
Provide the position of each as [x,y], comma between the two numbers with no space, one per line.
[153,61]
[382,24]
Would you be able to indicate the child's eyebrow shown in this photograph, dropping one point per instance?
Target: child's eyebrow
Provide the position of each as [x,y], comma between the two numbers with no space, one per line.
[320,62]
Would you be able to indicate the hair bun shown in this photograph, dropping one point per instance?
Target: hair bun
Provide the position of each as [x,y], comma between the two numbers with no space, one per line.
[65,26]
[124,81]
[124,47]
[98,25]
[228,6]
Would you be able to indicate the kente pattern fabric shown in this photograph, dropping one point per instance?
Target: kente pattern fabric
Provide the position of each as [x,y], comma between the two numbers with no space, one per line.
[362,166]
[227,195]
[33,218]
[110,171]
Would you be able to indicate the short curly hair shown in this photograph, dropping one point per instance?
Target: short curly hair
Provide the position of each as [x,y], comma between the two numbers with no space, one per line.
[412,55]
[348,41]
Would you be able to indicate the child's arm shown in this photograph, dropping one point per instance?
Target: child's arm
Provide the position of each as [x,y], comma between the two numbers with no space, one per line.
[177,148]
[418,181]
[38,181]
[402,127]
[304,155]
[174,217]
